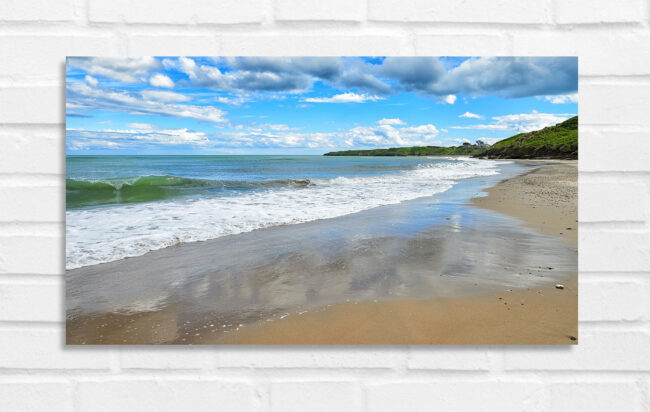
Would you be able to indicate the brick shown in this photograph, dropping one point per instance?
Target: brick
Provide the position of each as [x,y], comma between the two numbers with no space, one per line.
[32,104]
[614,103]
[32,302]
[613,251]
[612,200]
[500,396]
[448,358]
[32,204]
[199,11]
[172,45]
[599,11]
[315,396]
[36,396]
[45,349]
[32,254]
[27,149]
[314,45]
[338,10]
[597,350]
[597,153]
[165,395]
[461,45]
[37,10]
[611,301]
[600,52]
[306,357]
[594,396]
[166,358]
[472,11]
[39,57]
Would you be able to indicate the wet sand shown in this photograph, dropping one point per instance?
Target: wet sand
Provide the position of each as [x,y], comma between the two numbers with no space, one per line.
[544,199]
[430,271]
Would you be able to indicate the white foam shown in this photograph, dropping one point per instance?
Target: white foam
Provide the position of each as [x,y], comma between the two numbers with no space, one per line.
[106,234]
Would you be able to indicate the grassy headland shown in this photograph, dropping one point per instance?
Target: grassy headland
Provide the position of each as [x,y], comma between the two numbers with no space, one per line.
[557,142]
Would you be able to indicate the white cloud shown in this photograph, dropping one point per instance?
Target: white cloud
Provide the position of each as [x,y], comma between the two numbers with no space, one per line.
[163,96]
[397,122]
[524,122]
[562,98]
[91,80]
[471,115]
[160,80]
[140,125]
[451,99]
[126,69]
[383,135]
[235,101]
[82,96]
[344,98]
[387,135]
[138,135]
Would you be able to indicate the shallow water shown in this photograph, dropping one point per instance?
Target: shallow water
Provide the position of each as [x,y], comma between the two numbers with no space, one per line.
[124,206]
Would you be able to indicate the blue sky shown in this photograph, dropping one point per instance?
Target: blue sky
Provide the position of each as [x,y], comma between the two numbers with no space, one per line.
[308,105]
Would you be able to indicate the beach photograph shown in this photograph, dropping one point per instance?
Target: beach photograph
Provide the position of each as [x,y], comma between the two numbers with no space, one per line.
[321,201]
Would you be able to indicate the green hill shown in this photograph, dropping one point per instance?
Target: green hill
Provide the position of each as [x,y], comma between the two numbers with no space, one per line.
[559,142]
[466,149]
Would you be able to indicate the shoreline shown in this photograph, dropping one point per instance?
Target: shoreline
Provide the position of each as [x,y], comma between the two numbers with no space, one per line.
[288,270]
[541,316]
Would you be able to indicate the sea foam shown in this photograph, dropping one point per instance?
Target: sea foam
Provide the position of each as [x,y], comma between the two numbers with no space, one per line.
[111,233]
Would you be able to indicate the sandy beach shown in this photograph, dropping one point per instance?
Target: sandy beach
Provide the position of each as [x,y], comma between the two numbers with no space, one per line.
[544,199]
[432,271]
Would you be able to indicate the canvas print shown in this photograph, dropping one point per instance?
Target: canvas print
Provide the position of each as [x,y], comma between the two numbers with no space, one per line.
[321,200]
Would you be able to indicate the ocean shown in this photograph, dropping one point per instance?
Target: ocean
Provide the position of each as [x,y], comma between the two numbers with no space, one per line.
[125,206]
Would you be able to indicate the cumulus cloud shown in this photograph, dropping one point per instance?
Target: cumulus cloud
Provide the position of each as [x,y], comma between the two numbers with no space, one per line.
[413,73]
[381,135]
[82,96]
[125,69]
[323,67]
[359,75]
[470,115]
[524,122]
[387,135]
[164,96]
[344,98]
[91,80]
[252,74]
[511,77]
[160,80]
[562,98]
[234,101]
[397,122]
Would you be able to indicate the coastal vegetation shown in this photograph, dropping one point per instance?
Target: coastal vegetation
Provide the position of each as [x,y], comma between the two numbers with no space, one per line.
[465,149]
[559,141]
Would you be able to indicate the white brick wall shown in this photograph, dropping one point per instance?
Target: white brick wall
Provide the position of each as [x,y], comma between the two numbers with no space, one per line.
[608,371]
